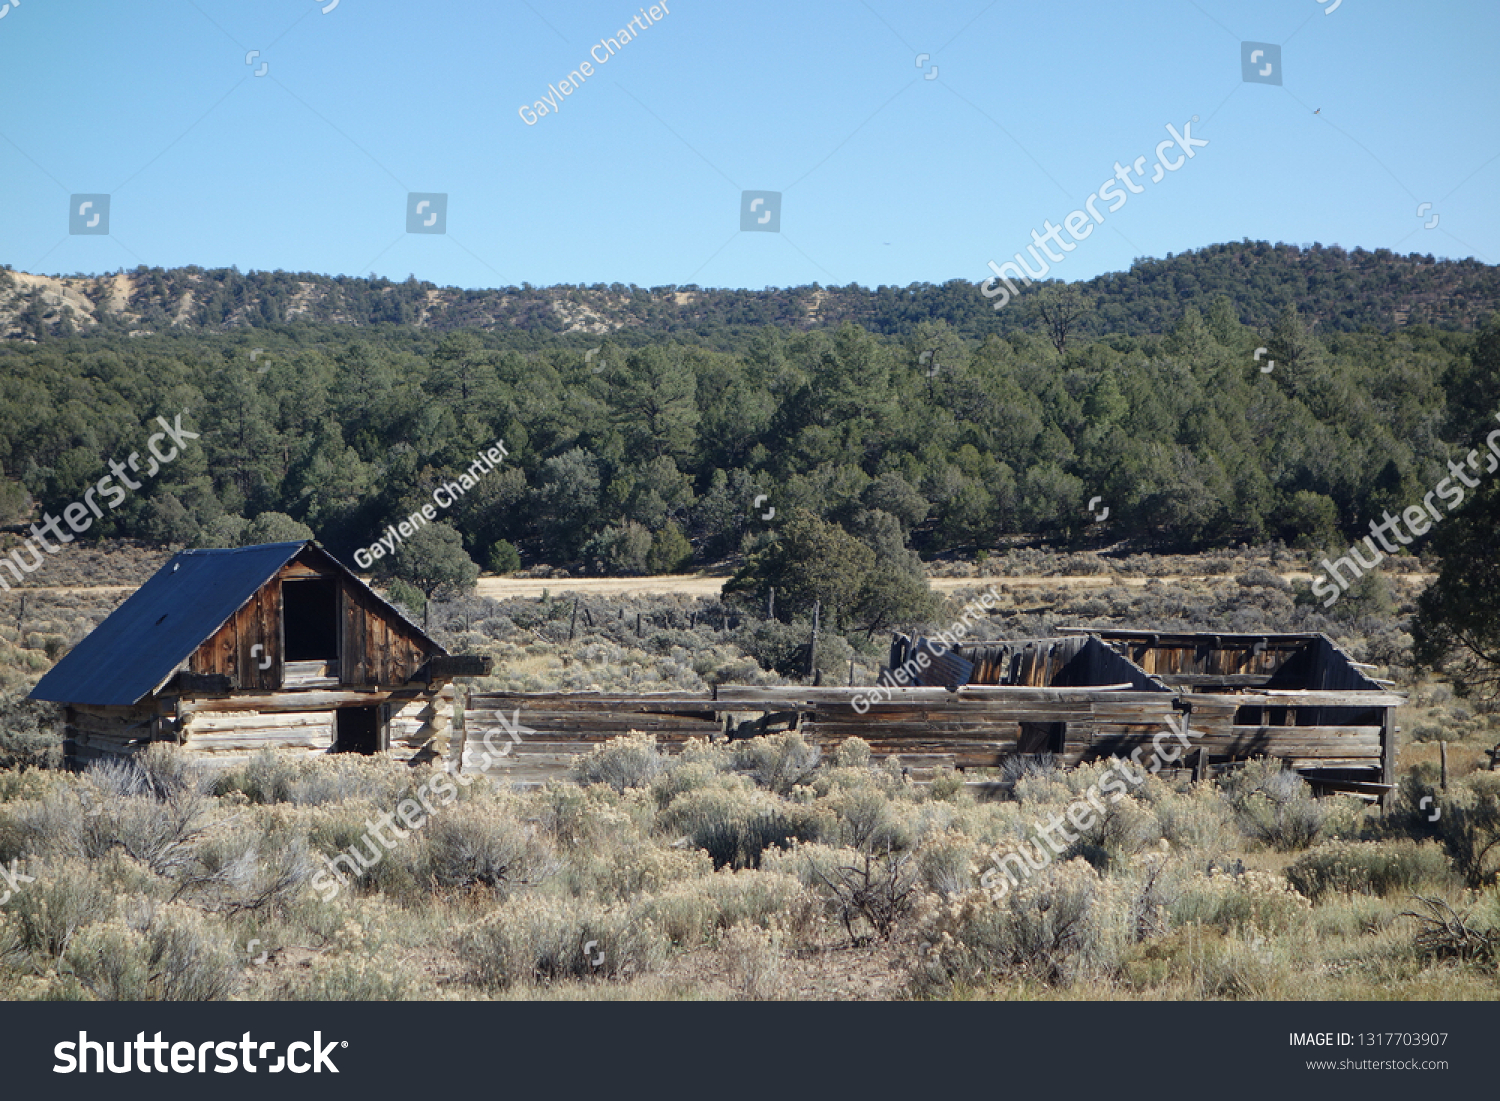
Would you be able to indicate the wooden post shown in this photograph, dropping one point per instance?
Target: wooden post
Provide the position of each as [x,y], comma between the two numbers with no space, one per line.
[573,623]
[1200,771]
[812,646]
[1388,759]
[637,624]
[851,674]
[587,618]
[1443,753]
[771,604]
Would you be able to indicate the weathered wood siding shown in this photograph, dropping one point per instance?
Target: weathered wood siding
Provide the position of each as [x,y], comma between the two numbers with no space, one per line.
[230,651]
[555,727]
[1300,698]
[976,727]
[1078,697]
[93,733]
[1077,662]
[234,735]
[228,729]
[376,647]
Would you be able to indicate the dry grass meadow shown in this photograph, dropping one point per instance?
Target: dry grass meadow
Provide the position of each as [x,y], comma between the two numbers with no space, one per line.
[754,870]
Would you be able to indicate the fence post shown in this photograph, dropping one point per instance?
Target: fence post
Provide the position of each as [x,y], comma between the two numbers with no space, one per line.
[812,646]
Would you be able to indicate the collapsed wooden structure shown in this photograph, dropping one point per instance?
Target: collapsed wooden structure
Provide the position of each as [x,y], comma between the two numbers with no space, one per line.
[280,646]
[1079,697]
[225,652]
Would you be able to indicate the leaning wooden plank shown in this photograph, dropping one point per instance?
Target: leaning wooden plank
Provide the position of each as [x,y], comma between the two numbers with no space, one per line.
[1371,788]
[301,700]
[1370,763]
[250,741]
[209,722]
[1308,698]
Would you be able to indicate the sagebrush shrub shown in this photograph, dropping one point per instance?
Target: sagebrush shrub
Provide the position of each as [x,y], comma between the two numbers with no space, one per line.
[699,910]
[538,938]
[1247,900]
[1468,825]
[66,895]
[629,762]
[237,872]
[631,868]
[755,959]
[777,762]
[1049,929]
[353,979]
[28,734]
[1275,806]
[735,826]
[1382,868]
[483,843]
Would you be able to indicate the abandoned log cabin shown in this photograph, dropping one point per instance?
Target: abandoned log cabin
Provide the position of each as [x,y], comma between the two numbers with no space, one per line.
[225,652]
[1088,695]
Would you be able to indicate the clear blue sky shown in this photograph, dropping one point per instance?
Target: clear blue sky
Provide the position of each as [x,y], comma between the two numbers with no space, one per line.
[887,176]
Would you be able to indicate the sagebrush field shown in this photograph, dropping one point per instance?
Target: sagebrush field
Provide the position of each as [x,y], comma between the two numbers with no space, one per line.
[756,869]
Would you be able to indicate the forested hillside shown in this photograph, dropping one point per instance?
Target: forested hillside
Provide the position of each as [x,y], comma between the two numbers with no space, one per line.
[649,454]
[1335,290]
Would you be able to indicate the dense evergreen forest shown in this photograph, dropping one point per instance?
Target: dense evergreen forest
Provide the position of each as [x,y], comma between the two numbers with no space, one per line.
[641,432]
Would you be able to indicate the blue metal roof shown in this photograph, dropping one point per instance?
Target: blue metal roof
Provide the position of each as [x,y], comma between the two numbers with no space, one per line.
[145,639]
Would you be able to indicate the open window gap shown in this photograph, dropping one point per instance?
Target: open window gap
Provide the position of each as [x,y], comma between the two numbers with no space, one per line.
[310,625]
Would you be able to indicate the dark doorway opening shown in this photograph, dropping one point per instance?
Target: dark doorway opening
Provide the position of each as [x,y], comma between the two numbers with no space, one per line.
[358,730]
[1042,737]
[310,613]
